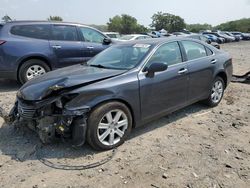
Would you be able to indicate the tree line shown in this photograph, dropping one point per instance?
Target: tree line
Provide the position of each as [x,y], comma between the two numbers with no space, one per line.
[126,24]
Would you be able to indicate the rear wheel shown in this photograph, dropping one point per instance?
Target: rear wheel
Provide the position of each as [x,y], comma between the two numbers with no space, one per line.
[109,125]
[216,92]
[31,69]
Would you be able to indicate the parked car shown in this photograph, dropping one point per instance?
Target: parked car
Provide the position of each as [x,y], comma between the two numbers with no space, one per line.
[214,38]
[31,48]
[237,35]
[236,38]
[245,36]
[113,35]
[125,86]
[204,39]
[226,38]
[180,34]
[134,37]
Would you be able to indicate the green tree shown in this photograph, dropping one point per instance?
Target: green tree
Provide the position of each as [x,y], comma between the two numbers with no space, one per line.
[125,24]
[55,18]
[6,18]
[103,28]
[167,21]
[242,25]
[198,27]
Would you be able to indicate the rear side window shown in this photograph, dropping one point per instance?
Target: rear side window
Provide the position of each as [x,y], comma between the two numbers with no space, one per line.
[1,26]
[195,37]
[168,53]
[209,52]
[91,35]
[64,33]
[194,50]
[31,31]
[204,39]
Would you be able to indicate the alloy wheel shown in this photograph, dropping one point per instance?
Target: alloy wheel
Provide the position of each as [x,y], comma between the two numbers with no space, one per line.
[112,127]
[217,91]
[35,71]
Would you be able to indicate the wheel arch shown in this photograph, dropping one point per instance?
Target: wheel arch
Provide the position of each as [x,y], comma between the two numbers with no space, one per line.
[121,101]
[223,75]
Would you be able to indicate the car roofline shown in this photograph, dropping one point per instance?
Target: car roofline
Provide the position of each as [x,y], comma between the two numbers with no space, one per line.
[19,22]
[158,41]
[45,22]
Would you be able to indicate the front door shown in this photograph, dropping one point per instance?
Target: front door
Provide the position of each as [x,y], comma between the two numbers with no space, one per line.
[66,45]
[166,90]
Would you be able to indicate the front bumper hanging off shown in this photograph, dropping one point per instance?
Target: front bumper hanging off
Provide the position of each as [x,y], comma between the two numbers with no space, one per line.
[69,123]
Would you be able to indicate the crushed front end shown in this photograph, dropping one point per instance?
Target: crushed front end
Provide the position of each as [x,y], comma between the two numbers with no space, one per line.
[51,119]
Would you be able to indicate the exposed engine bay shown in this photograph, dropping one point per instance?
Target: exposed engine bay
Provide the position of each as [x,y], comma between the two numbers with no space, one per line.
[51,120]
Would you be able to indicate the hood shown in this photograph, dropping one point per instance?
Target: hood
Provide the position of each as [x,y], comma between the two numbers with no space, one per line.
[65,78]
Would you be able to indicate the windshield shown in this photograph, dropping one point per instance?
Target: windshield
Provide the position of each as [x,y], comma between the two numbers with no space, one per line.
[121,57]
[127,37]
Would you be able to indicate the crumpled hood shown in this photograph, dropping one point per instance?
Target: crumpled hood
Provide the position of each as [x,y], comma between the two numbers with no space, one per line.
[73,76]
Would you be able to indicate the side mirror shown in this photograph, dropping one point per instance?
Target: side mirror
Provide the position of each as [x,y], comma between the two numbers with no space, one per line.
[107,41]
[155,67]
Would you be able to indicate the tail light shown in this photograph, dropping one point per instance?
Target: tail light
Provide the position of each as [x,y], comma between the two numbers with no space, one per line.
[2,42]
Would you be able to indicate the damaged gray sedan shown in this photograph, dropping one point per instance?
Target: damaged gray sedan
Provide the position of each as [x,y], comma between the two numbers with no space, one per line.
[124,86]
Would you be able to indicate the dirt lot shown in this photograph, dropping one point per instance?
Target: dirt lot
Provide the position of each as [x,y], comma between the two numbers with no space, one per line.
[195,147]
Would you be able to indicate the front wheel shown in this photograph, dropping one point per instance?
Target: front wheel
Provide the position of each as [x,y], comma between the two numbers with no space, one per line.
[216,92]
[109,125]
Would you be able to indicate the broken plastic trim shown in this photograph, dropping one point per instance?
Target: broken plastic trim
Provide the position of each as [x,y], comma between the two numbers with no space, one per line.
[242,79]
[58,166]
[75,112]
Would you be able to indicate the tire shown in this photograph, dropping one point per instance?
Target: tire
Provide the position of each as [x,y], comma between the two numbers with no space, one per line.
[35,67]
[100,131]
[216,95]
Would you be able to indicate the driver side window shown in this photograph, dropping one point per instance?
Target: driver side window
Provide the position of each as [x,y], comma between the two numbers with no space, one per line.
[168,53]
[91,35]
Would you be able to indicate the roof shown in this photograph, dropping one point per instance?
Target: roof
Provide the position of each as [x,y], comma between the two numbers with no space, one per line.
[49,22]
[156,41]
[136,35]
[111,32]
[43,22]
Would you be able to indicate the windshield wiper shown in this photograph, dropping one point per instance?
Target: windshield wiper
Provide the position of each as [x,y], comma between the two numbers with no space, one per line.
[99,66]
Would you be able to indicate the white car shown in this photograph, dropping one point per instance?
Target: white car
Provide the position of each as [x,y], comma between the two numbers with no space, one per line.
[113,35]
[134,37]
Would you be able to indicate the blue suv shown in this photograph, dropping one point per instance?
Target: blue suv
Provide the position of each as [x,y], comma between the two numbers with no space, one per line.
[32,48]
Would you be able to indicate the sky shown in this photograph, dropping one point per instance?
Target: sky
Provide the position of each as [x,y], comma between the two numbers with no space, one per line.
[98,12]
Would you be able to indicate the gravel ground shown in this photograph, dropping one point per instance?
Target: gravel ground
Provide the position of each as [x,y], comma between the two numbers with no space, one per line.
[195,147]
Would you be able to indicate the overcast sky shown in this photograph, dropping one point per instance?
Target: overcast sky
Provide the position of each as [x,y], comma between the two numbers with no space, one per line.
[99,11]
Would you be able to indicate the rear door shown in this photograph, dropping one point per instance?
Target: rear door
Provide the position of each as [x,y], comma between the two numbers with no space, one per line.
[201,64]
[92,41]
[166,90]
[66,45]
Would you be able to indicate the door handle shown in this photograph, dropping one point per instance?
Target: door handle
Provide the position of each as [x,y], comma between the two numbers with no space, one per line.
[213,61]
[90,47]
[57,47]
[182,71]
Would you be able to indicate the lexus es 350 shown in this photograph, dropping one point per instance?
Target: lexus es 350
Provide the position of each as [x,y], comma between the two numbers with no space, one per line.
[123,87]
